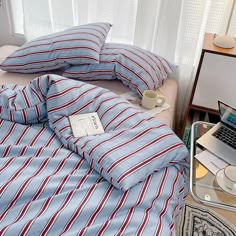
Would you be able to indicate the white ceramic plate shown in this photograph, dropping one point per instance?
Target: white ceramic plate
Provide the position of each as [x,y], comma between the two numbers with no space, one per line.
[219,181]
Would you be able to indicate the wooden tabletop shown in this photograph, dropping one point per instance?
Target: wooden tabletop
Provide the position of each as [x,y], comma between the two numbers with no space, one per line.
[210,46]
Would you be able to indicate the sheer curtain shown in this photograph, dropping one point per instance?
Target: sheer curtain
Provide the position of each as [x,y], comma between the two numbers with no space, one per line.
[173,29]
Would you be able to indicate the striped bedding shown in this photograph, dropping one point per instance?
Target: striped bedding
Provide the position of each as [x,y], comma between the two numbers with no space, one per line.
[74,46]
[50,185]
[137,68]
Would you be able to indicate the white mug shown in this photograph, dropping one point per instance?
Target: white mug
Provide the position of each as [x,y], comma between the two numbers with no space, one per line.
[152,99]
[229,177]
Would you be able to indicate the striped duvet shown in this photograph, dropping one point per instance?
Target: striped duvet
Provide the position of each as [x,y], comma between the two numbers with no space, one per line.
[131,180]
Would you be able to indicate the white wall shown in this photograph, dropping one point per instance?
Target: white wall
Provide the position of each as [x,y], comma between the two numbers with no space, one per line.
[6,34]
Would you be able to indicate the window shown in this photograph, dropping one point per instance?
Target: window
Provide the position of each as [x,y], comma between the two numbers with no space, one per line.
[47,16]
[16,14]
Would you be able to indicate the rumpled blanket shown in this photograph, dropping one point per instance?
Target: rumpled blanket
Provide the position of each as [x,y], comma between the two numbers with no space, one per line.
[131,180]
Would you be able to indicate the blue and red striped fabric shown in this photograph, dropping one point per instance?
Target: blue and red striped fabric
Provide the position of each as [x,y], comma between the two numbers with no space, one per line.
[77,45]
[137,68]
[48,184]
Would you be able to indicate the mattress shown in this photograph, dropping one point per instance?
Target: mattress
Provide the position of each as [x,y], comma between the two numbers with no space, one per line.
[169,89]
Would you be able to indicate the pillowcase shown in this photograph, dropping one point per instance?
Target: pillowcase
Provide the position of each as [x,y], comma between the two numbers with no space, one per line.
[135,67]
[77,45]
[101,71]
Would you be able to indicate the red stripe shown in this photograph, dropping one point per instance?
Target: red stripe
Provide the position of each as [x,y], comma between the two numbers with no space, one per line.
[25,98]
[70,32]
[97,211]
[6,164]
[118,134]
[81,206]
[133,72]
[74,48]
[66,201]
[15,175]
[167,65]
[133,50]
[38,83]
[57,61]
[87,74]
[22,213]
[11,98]
[162,213]
[66,127]
[126,119]
[8,134]
[147,161]
[37,110]
[50,140]
[83,107]
[36,137]
[102,142]
[113,214]
[56,151]
[110,108]
[11,117]
[128,81]
[58,36]
[37,95]
[142,68]
[63,92]
[137,136]
[66,177]
[46,180]
[116,117]
[22,135]
[38,193]
[7,150]
[42,210]
[58,120]
[147,210]
[122,159]
[131,210]
[15,107]
[23,186]
[51,81]
[24,115]
[54,109]
[23,151]
[153,58]
[39,151]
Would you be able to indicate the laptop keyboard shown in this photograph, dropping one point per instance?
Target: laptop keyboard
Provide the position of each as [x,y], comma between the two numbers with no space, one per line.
[226,135]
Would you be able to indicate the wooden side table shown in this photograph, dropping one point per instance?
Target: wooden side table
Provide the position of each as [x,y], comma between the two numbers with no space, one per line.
[203,186]
[214,81]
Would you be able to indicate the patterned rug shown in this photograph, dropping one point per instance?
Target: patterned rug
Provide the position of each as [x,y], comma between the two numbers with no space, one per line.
[197,221]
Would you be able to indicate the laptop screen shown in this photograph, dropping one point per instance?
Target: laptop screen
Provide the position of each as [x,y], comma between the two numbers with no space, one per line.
[228,114]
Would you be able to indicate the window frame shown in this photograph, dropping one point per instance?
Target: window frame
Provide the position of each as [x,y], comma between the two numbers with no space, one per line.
[9,9]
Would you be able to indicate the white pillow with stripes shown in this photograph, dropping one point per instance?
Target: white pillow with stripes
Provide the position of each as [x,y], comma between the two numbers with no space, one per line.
[135,67]
[77,45]
[101,71]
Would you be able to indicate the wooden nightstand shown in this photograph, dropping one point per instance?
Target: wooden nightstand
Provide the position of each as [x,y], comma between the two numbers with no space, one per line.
[215,80]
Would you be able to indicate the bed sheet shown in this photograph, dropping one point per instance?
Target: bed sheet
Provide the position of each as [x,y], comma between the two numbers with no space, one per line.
[48,188]
[169,88]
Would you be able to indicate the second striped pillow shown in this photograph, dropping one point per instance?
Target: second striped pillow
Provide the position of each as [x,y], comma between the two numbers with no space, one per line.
[135,67]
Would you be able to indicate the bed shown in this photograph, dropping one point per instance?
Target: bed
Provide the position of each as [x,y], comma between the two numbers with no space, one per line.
[169,89]
[130,180]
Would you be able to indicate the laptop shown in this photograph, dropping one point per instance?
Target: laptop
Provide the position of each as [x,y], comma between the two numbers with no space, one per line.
[221,139]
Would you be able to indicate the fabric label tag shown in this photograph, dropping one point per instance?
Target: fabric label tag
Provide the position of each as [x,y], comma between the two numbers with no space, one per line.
[86,124]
